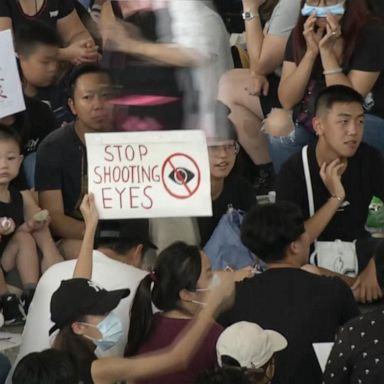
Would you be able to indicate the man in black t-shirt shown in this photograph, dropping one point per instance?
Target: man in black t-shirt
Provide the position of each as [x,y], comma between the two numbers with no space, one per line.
[61,164]
[345,175]
[305,308]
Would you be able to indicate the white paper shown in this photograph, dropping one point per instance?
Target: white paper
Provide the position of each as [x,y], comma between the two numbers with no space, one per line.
[322,351]
[149,174]
[11,94]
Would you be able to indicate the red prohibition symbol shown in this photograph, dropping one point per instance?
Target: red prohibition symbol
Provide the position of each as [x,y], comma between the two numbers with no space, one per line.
[181,175]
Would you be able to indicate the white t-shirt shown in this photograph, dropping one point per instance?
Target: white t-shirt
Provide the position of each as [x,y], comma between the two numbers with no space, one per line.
[108,273]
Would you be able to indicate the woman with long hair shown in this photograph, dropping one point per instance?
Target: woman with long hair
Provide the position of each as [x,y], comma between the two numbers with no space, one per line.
[178,287]
[334,42]
[82,311]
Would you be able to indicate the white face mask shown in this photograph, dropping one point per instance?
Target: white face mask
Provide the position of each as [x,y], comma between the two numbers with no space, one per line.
[215,281]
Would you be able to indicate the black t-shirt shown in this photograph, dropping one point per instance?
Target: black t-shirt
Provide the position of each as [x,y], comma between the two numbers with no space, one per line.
[61,163]
[363,179]
[368,56]
[84,367]
[50,12]
[238,193]
[303,307]
[55,98]
[33,124]
[358,352]
[13,210]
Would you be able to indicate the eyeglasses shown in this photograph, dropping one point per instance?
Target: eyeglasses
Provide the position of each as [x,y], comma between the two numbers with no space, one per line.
[216,150]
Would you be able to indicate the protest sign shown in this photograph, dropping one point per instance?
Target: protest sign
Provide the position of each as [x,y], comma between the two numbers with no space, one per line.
[149,174]
[11,94]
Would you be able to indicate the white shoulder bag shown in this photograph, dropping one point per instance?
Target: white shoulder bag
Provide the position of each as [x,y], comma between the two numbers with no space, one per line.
[337,256]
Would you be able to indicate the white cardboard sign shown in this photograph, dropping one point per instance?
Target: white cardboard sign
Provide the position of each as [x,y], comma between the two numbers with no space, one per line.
[149,174]
[11,94]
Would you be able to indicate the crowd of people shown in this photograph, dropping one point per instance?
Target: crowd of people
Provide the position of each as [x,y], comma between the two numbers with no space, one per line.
[295,111]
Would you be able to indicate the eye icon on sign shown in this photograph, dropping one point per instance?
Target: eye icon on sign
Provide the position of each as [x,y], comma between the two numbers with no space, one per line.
[181,175]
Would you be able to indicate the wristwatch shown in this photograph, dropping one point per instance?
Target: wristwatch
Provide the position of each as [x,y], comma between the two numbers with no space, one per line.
[249,15]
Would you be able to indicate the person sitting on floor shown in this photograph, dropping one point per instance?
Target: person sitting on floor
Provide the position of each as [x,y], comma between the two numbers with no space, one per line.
[302,306]
[61,161]
[345,174]
[22,226]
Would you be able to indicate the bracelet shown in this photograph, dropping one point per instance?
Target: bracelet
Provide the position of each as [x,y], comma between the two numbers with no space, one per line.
[333,71]
[337,198]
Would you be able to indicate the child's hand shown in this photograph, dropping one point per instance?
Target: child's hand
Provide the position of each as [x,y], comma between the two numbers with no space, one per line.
[37,222]
[7,226]
[89,210]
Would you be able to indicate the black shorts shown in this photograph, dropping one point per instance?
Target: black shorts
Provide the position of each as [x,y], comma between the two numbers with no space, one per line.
[271,100]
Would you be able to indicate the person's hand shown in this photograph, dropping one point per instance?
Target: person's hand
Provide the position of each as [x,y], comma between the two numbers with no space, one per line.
[366,288]
[7,226]
[38,221]
[244,273]
[258,85]
[331,176]
[332,34]
[89,211]
[81,51]
[311,37]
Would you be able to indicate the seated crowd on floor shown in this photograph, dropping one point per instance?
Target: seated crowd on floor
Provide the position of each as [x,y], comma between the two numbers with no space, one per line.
[292,109]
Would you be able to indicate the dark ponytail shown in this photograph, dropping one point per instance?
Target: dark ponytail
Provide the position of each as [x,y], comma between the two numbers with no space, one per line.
[141,316]
[177,267]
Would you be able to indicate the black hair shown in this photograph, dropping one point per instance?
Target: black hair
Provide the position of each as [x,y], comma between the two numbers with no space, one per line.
[224,375]
[177,267]
[32,33]
[337,94]
[120,246]
[80,70]
[47,367]
[268,229]
[79,348]
[9,134]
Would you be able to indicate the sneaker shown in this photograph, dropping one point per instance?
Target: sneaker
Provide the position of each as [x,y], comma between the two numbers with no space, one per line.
[13,311]
[26,299]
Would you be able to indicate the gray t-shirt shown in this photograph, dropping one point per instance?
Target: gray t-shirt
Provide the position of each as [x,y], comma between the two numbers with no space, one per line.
[284,18]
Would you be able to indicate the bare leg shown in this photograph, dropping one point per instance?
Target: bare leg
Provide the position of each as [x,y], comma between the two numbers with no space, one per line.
[69,248]
[51,254]
[246,114]
[21,253]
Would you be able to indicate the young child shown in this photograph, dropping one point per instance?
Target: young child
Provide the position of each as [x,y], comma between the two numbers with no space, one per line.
[22,226]
[37,46]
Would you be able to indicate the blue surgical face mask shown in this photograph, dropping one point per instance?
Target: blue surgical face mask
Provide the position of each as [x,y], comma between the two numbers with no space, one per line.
[337,9]
[111,331]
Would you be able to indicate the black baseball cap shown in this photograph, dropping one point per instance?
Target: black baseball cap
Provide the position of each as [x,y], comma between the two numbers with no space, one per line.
[131,230]
[79,297]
